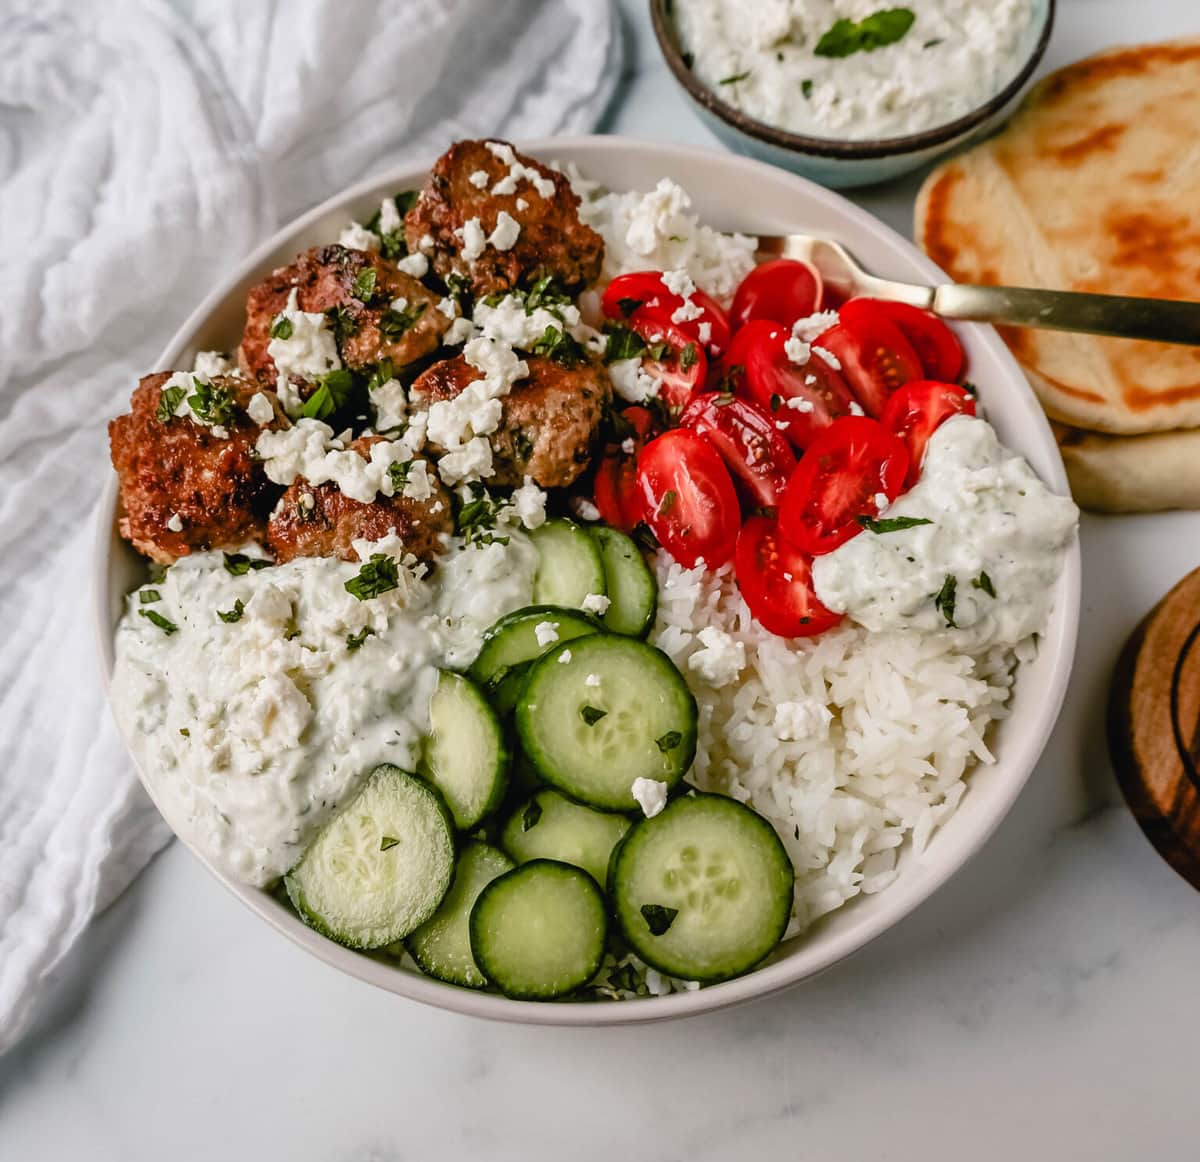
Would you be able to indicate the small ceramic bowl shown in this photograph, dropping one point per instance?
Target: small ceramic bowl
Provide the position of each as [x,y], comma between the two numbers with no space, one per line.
[834,162]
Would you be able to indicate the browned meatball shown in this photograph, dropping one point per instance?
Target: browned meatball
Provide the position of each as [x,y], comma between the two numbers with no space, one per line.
[176,471]
[552,240]
[549,422]
[331,278]
[317,520]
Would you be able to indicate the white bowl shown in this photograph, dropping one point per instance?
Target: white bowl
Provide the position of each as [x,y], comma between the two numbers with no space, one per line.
[738,194]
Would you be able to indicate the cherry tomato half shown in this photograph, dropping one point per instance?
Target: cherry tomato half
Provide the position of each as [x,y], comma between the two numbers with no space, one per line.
[688,497]
[873,355]
[839,480]
[616,492]
[644,292]
[937,347]
[781,291]
[672,358]
[756,454]
[776,580]
[733,365]
[805,400]
[917,410]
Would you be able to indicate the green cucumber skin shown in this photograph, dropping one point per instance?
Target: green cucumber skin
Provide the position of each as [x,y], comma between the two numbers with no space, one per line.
[554,541]
[484,669]
[616,546]
[553,802]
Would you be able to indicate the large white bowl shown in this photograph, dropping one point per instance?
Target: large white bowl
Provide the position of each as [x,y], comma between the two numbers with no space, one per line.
[738,194]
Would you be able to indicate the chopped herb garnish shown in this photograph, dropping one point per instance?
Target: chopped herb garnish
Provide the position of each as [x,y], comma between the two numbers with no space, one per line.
[735,78]
[531,815]
[669,741]
[806,87]
[945,600]
[387,842]
[776,402]
[333,390]
[545,293]
[934,43]
[688,357]
[229,616]
[364,285]
[969,387]
[355,640]
[395,323]
[378,575]
[478,517]
[406,199]
[592,714]
[846,37]
[147,596]
[398,474]
[342,322]
[211,405]
[624,979]
[306,507]
[657,352]
[723,399]
[155,618]
[560,347]
[281,328]
[891,524]
[688,59]
[667,503]
[522,444]
[628,306]
[384,372]
[392,245]
[658,917]
[623,343]
[185,732]
[168,402]
[456,285]
[239,564]
[984,582]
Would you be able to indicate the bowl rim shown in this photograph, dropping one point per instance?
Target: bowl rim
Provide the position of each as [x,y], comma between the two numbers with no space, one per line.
[833,147]
[777,975]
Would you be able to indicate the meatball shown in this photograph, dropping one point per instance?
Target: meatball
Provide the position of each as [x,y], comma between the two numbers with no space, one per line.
[362,310]
[317,520]
[184,484]
[458,209]
[549,423]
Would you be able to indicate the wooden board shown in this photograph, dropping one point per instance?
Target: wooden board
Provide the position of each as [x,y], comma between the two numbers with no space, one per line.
[1154,726]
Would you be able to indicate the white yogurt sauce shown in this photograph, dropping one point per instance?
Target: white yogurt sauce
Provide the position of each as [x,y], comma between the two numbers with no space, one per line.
[758,55]
[990,515]
[252,732]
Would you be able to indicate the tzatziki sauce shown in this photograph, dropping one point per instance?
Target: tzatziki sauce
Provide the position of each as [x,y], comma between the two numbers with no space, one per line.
[804,66]
[985,564]
[275,691]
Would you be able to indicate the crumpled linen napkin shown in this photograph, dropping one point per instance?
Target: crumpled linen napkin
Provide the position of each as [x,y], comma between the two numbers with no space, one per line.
[145,146]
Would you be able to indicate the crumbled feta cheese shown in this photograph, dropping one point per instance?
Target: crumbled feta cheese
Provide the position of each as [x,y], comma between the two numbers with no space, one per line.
[448,307]
[595,603]
[389,216]
[631,383]
[564,657]
[210,363]
[310,350]
[651,795]
[797,351]
[517,171]
[391,405]
[473,239]
[187,381]
[799,404]
[522,204]
[259,409]
[416,265]
[628,446]
[356,237]
[721,658]
[856,409]
[796,721]
[399,304]
[704,332]
[458,332]
[828,356]
[688,310]
[175,524]
[507,231]
[813,326]
[529,503]
[882,504]
[418,485]
[471,462]
[592,681]
[546,633]
[679,282]
[426,244]
[781,425]
[583,508]
[479,178]
[510,323]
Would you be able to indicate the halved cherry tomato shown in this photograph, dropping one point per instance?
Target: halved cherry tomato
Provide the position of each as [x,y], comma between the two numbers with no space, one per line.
[839,480]
[776,580]
[873,355]
[758,457]
[688,496]
[644,292]
[937,348]
[673,358]
[733,365]
[917,410]
[616,492]
[805,400]
[781,290]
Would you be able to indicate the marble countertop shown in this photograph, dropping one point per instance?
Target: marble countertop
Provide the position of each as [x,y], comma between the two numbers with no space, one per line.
[1039,1006]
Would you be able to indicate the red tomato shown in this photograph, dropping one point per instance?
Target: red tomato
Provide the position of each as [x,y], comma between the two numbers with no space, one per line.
[759,458]
[682,368]
[688,497]
[938,349]
[873,355]
[838,480]
[772,380]
[776,581]
[645,293]
[917,410]
[616,493]
[781,290]
[734,363]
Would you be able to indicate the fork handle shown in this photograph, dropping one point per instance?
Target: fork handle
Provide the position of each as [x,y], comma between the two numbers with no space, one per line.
[1159,320]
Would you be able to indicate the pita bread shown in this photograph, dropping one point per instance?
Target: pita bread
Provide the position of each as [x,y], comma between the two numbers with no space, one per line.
[1132,473]
[1095,186]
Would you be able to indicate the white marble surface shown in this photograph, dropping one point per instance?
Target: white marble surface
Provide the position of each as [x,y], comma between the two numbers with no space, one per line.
[1040,1006]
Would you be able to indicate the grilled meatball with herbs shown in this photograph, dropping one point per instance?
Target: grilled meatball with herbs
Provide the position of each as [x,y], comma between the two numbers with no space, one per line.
[549,422]
[187,484]
[472,185]
[318,520]
[373,310]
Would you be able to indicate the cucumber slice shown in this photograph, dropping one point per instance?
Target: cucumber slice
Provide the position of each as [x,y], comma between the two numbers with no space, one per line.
[513,641]
[508,691]
[538,932]
[442,945]
[550,826]
[465,754]
[616,712]
[703,891]
[569,565]
[380,867]
[631,588]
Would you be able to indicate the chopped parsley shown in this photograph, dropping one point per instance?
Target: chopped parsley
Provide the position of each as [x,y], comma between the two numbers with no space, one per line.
[281,328]
[364,285]
[560,347]
[592,714]
[387,842]
[969,387]
[384,372]
[623,979]
[456,285]
[211,405]
[342,322]
[984,582]
[147,596]
[398,474]
[378,575]
[891,524]
[806,87]
[478,517]
[628,306]
[355,640]
[733,80]
[545,293]
[846,37]
[934,43]
[168,402]
[229,616]
[776,402]
[155,618]
[669,741]
[395,323]
[333,390]
[688,357]
[531,815]
[185,732]
[945,599]
[658,917]
[667,503]
[392,245]
[239,564]
[623,343]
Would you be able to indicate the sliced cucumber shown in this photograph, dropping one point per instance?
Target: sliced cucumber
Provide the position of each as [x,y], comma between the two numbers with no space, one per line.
[466,757]
[507,691]
[550,826]
[616,712]
[442,945]
[381,866]
[703,891]
[514,641]
[538,932]
[631,588]
[569,565]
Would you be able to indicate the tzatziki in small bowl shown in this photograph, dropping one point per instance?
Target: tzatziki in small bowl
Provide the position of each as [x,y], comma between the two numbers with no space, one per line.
[852,92]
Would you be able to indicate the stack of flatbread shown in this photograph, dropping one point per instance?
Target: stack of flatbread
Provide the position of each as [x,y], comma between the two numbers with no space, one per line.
[1095,186]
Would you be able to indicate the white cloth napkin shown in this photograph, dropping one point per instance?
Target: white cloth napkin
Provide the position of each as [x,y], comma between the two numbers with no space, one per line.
[145,146]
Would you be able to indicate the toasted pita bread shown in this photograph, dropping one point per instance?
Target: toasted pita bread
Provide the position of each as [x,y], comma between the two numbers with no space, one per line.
[1095,186]
[1132,473]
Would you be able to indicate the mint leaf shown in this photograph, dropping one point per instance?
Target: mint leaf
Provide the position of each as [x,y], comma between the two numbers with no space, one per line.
[658,917]
[945,600]
[891,524]
[846,37]
[378,575]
